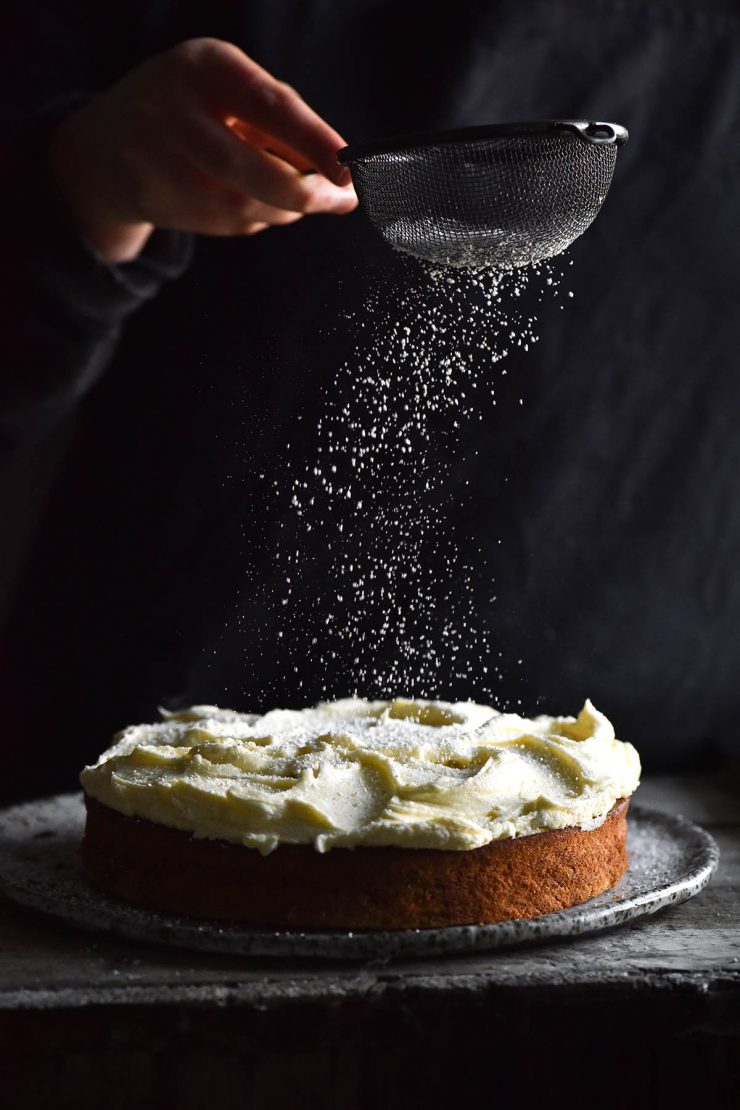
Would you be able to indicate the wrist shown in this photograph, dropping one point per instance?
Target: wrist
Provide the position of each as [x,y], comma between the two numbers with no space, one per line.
[113,241]
[79,183]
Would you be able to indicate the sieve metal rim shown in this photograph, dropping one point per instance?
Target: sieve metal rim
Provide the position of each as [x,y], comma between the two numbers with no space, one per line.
[596,132]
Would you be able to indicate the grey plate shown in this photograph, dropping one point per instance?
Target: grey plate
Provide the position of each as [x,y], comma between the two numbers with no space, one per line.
[670,860]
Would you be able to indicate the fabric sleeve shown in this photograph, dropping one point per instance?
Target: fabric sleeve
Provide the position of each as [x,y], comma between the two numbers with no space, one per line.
[64,306]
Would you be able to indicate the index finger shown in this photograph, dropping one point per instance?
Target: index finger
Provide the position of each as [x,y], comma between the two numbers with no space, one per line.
[236,85]
[260,140]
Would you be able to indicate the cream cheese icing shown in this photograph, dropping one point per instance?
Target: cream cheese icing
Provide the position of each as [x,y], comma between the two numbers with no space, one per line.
[412,774]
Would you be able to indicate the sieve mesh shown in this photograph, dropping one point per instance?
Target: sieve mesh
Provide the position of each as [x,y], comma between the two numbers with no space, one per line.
[502,199]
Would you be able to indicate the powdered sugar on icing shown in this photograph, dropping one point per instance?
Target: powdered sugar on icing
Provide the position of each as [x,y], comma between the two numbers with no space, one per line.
[413,774]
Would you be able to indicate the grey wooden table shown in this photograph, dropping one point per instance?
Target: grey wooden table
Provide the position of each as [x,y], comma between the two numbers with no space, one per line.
[647,1014]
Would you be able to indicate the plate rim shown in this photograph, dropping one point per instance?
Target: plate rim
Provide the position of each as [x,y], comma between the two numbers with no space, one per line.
[138,924]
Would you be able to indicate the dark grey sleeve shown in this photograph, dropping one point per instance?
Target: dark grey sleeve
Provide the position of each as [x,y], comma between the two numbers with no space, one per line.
[64,308]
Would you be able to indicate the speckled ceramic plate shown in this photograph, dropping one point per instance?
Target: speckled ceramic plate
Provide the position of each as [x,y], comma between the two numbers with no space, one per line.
[670,860]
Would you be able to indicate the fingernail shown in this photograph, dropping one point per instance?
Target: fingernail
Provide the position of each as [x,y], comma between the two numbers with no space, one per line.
[343,176]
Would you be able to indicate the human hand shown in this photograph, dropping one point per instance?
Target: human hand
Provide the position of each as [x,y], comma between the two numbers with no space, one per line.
[200,139]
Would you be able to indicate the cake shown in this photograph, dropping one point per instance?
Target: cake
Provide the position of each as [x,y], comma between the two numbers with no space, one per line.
[360,814]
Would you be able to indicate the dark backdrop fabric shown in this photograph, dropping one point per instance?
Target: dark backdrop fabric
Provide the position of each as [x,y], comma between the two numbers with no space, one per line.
[616,484]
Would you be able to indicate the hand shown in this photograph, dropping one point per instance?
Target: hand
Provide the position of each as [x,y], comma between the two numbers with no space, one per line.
[200,139]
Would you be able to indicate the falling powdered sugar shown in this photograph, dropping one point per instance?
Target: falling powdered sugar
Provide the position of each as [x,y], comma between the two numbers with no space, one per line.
[377,488]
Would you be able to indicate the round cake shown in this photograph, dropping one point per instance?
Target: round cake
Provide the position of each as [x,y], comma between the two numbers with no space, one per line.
[360,814]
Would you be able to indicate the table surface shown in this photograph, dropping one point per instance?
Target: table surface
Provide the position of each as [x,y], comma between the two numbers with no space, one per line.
[656,1002]
[693,947]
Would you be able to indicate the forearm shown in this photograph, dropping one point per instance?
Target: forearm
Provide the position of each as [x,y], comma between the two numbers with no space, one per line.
[198,138]
[65,331]
[64,306]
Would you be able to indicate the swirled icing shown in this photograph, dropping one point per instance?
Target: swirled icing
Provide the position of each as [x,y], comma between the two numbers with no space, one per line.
[410,774]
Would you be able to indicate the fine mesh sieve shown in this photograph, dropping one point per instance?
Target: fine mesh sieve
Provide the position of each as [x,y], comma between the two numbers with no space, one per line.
[500,196]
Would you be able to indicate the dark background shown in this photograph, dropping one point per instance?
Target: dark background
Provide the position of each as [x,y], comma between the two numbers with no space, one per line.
[137,526]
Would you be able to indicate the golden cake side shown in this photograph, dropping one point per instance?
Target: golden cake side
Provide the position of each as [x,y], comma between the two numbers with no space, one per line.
[364,888]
